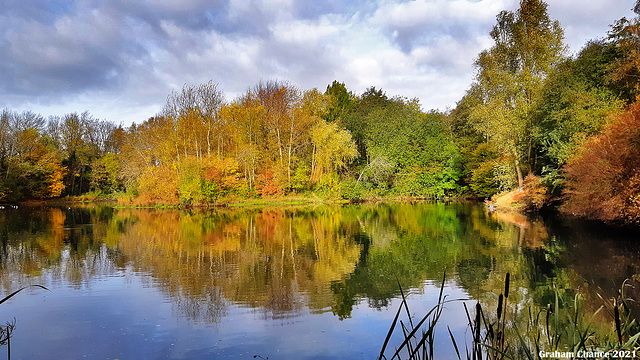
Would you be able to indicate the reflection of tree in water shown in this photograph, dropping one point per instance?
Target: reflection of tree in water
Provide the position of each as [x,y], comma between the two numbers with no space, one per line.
[278,261]
[59,243]
[209,307]
[282,261]
[413,243]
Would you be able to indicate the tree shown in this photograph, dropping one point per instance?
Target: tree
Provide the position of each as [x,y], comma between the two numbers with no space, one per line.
[356,120]
[39,171]
[575,103]
[30,165]
[527,46]
[624,72]
[245,118]
[333,148]
[603,180]
[281,125]
[195,112]
[80,142]
[341,101]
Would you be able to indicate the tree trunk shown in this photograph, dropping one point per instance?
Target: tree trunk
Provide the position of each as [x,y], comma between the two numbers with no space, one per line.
[520,180]
[209,141]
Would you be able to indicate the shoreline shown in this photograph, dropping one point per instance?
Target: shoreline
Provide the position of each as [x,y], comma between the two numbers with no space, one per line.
[263,202]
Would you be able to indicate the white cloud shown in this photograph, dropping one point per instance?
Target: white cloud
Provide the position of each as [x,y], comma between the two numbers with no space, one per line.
[420,12]
[306,32]
[121,60]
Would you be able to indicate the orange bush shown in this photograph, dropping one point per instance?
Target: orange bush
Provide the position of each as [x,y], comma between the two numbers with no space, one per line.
[267,184]
[536,194]
[158,185]
[603,179]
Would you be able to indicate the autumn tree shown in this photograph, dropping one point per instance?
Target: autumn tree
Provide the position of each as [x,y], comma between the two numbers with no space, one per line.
[624,72]
[333,148]
[604,177]
[282,125]
[30,163]
[527,46]
[245,118]
[195,113]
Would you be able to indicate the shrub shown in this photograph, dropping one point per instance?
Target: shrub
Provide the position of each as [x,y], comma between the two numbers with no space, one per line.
[536,193]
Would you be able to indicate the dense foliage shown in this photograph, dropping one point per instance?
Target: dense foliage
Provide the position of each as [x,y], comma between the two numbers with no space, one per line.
[531,112]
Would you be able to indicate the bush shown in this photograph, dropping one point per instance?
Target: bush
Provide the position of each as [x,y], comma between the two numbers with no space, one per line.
[352,190]
[536,193]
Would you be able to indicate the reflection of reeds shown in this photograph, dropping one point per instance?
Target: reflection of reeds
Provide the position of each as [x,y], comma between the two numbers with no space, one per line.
[5,335]
[564,328]
[7,330]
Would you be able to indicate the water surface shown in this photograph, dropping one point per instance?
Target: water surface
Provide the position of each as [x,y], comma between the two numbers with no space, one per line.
[305,283]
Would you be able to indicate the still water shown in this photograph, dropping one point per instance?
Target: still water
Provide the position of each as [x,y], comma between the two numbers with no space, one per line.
[281,283]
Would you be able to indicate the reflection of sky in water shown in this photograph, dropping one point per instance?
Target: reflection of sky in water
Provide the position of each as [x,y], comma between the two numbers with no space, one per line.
[119,317]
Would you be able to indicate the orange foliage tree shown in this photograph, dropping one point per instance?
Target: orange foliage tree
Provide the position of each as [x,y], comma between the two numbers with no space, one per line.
[603,179]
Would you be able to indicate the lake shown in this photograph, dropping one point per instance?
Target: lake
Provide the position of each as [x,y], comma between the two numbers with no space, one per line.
[280,282]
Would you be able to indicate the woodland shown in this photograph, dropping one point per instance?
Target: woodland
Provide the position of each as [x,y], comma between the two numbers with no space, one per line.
[564,128]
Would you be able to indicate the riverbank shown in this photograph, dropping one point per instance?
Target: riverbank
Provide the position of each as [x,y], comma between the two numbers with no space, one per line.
[127,201]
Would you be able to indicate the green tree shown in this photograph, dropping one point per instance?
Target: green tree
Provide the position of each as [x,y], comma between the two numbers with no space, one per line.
[575,103]
[408,151]
[356,120]
[527,46]
[341,103]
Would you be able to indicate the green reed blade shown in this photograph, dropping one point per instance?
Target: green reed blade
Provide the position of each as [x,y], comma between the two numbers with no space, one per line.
[453,340]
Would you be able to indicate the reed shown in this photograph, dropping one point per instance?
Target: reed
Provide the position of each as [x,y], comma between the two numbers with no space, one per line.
[416,346]
[7,330]
[509,334]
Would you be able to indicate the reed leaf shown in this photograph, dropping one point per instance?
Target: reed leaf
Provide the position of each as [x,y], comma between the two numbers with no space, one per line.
[616,314]
[453,340]
[406,306]
[17,291]
[393,325]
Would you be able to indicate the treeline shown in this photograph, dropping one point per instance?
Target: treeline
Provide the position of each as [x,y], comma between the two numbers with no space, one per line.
[49,157]
[200,149]
[278,140]
[533,118]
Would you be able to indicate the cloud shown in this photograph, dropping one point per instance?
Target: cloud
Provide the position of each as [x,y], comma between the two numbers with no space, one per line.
[589,20]
[76,51]
[120,59]
[425,22]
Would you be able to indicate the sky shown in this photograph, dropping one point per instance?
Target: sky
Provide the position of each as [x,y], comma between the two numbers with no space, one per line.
[120,59]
